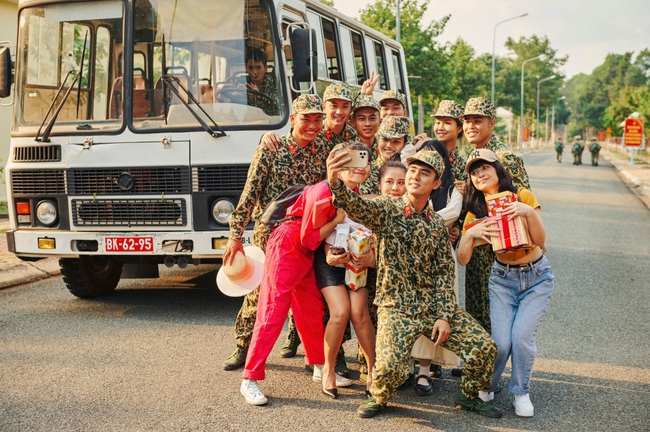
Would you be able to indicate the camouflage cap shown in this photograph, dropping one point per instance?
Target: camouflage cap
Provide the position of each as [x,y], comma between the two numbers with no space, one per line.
[337,90]
[577,137]
[450,108]
[431,158]
[394,127]
[480,154]
[594,139]
[364,101]
[308,104]
[481,107]
[393,94]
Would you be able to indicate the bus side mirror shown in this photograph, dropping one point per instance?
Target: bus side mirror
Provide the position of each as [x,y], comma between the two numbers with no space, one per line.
[302,53]
[5,72]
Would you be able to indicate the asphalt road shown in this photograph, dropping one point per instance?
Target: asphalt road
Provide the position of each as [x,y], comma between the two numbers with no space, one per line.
[148,358]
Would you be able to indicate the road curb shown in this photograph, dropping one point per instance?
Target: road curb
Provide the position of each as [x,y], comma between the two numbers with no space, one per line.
[22,272]
[639,187]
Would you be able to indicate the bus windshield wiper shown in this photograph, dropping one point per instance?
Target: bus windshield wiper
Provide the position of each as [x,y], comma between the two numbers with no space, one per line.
[77,79]
[49,109]
[169,81]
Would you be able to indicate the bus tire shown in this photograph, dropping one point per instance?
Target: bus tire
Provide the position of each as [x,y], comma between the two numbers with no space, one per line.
[90,276]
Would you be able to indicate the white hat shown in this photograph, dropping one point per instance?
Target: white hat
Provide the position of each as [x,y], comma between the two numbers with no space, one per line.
[244,274]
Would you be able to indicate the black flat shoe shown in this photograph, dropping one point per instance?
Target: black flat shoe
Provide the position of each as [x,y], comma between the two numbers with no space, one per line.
[333,393]
[424,390]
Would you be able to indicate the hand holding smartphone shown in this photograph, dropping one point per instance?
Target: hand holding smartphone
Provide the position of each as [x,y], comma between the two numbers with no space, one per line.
[359,159]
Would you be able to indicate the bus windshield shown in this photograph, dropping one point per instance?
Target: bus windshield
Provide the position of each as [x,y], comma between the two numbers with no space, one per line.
[219,55]
[67,59]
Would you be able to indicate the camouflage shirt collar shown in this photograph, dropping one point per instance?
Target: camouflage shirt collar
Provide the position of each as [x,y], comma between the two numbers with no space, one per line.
[294,148]
[330,135]
[409,210]
[492,143]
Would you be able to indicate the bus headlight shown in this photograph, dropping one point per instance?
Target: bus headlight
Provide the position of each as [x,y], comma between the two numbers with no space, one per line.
[221,211]
[46,212]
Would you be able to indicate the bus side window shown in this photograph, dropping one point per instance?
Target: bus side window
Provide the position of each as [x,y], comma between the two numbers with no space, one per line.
[331,50]
[352,57]
[397,67]
[381,65]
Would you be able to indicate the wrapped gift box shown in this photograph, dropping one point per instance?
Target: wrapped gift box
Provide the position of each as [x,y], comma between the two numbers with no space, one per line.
[513,234]
[496,203]
[359,242]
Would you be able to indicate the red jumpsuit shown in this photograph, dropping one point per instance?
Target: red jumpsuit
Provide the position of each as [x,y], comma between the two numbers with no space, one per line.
[289,282]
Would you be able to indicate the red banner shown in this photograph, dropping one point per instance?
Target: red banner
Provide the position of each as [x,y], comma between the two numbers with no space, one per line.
[526,134]
[633,133]
[601,135]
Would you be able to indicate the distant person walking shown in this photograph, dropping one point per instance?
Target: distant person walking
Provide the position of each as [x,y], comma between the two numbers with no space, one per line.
[594,148]
[575,150]
[559,148]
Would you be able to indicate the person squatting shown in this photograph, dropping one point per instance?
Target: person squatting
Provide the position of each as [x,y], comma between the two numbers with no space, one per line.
[407,201]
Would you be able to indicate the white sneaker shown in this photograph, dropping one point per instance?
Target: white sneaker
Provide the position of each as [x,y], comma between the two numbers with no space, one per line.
[252,393]
[486,396]
[523,406]
[340,381]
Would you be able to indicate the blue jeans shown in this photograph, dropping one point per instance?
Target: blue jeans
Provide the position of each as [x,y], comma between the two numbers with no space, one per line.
[518,300]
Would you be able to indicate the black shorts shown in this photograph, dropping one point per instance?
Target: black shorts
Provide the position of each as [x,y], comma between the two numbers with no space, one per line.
[326,275]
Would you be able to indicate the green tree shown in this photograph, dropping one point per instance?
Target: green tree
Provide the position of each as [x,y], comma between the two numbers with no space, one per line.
[424,56]
[468,76]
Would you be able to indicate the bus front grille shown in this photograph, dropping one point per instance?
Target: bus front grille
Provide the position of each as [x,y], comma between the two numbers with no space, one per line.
[128,212]
[37,182]
[220,178]
[104,181]
[48,153]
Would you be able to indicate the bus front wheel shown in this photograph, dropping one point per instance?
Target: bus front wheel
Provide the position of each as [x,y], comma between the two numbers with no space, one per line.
[90,276]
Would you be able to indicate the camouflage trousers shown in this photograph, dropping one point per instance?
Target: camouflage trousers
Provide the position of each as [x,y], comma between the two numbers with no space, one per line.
[558,156]
[477,277]
[397,332]
[594,158]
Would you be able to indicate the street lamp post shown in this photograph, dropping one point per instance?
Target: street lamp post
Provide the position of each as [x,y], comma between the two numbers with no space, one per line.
[494,38]
[537,115]
[521,114]
[553,119]
[398,24]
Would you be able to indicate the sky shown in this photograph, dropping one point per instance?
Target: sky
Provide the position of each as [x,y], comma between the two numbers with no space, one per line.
[585,30]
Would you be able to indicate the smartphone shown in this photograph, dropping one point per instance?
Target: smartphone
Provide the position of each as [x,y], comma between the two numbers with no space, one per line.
[359,159]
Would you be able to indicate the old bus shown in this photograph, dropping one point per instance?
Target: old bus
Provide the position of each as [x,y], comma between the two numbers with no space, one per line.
[133,132]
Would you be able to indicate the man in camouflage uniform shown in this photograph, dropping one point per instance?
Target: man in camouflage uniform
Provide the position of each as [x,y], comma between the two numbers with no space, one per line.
[263,89]
[575,150]
[594,148]
[415,276]
[450,109]
[296,161]
[478,125]
[582,149]
[559,148]
[366,120]
[390,128]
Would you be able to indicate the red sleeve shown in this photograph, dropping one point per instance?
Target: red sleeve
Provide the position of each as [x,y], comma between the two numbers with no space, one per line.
[310,227]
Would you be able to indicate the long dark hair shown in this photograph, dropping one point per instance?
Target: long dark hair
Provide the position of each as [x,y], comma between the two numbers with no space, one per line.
[439,196]
[474,200]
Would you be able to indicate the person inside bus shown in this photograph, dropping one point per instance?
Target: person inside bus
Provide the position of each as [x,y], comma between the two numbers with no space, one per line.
[261,88]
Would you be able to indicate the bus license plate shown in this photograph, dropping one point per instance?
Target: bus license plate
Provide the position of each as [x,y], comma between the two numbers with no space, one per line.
[128,244]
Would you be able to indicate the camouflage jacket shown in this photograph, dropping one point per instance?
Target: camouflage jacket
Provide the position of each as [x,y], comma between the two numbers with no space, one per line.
[510,161]
[415,267]
[336,140]
[458,165]
[270,174]
[270,105]
[371,185]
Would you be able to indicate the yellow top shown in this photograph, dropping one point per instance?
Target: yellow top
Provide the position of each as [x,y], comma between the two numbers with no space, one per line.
[525,196]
